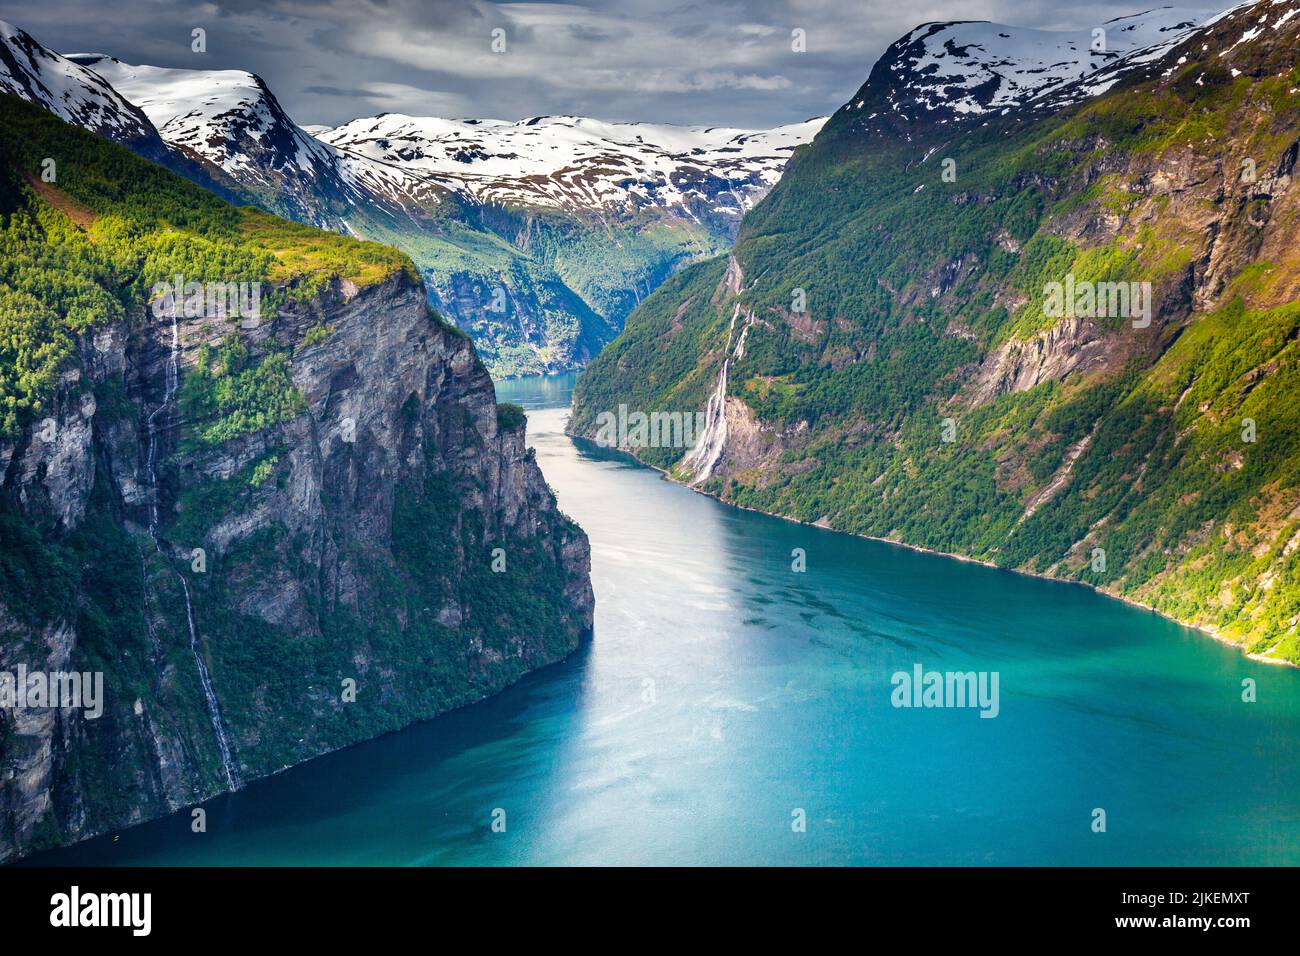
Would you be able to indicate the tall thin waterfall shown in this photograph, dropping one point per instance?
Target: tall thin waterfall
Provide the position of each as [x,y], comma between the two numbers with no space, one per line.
[157,420]
[704,455]
[209,696]
[708,449]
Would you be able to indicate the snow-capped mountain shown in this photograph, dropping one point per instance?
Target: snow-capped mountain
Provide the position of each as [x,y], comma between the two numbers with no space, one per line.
[227,117]
[230,120]
[953,72]
[574,220]
[572,163]
[34,73]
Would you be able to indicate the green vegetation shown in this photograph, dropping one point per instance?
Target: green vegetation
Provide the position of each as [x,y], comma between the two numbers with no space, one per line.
[308,258]
[262,471]
[87,249]
[94,579]
[229,394]
[664,361]
[421,621]
[482,275]
[915,286]
[567,284]
[315,335]
[414,660]
[206,502]
[510,417]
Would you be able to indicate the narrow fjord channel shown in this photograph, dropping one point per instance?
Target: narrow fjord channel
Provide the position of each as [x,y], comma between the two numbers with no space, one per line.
[723,693]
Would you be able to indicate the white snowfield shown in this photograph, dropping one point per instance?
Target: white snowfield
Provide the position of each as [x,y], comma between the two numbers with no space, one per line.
[69,91]
[209,111]
[946,71]
[231,119]
[975,68]
[571,162]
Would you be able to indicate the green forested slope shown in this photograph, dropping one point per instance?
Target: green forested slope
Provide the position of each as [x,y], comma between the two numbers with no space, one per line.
[1160,462]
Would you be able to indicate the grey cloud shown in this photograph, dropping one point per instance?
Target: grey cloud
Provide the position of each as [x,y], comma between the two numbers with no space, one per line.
[725,63]
[354,93]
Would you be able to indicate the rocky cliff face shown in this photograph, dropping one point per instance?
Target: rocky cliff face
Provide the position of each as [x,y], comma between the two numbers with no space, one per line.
[384,551]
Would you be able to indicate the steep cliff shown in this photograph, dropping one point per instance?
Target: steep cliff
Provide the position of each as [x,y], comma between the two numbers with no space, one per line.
[910,371]
[273,536]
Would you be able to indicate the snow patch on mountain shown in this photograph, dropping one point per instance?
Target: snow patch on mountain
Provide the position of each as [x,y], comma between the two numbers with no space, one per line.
[34,73]
[231,119]
[208,111]
[952,71]
[574,163]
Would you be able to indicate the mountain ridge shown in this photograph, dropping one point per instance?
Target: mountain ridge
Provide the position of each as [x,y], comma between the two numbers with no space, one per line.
[954,73]
[506,161]
[73,93]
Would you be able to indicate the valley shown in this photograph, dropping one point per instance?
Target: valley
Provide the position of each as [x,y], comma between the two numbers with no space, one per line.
[270,538]
[416,490]
[725,693]
[536,237]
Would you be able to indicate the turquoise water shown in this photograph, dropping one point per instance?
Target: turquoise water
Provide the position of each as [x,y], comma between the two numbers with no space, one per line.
[722,692]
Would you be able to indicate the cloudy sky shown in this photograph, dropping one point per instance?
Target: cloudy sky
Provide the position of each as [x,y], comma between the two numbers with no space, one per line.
[715,62]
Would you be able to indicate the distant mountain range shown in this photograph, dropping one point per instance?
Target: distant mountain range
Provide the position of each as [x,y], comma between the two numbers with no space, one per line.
[573,164]
[537,237]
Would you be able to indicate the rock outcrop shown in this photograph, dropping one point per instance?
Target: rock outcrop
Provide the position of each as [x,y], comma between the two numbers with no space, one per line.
[385,552]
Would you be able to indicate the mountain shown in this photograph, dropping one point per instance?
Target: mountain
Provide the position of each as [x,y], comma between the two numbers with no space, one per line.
[573,164]
[584,218]
[283,518]
[536,237]
[72,93]
[956,72]
[230,121]
[1053,332]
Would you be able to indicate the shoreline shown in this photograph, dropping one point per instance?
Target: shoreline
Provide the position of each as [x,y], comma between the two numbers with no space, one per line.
[1206,630]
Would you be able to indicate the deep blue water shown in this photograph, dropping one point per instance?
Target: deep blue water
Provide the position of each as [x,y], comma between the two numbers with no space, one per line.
[723,692]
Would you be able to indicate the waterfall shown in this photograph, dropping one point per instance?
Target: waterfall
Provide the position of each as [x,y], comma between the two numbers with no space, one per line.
[739,353]
[209,696]
[708,448]
[172,378]
[205,679]
[703,457]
